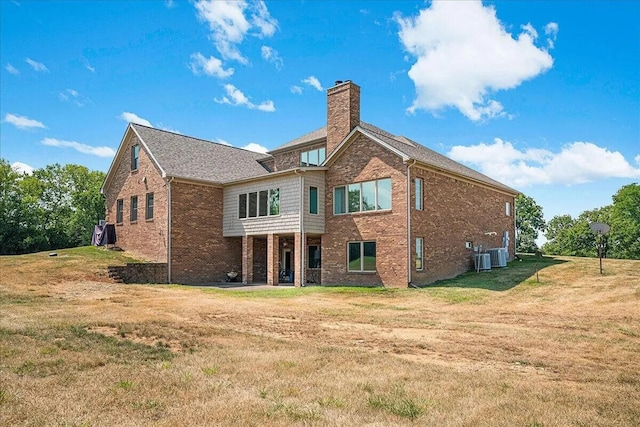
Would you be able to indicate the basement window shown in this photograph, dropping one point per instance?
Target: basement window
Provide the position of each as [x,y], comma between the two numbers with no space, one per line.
[361,257]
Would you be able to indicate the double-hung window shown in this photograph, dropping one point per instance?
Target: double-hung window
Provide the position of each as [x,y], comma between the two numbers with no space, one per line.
[507,208]
[149,207]
[133,209]
[119,211]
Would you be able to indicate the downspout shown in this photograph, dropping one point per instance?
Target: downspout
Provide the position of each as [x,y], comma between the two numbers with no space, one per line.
[169,230]
[409,269]
[302,237]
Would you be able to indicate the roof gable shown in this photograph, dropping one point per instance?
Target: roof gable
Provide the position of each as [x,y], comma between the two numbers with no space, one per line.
[181,156]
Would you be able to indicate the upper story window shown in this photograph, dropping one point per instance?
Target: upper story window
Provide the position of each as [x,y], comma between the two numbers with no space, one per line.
[313,200]
[119,211]
[362,196]
[149,207]
[418,184]
[259,203]
[133,212]
[135,157]
[507,208]
[313,157]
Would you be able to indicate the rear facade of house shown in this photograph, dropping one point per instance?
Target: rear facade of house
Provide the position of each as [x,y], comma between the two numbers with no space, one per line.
[348,204]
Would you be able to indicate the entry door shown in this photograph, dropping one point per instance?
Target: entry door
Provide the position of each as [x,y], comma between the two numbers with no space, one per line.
[286,256]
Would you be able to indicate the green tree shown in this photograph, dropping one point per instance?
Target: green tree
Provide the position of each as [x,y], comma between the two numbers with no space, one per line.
[529,221]
[624,238]
[54,207]
[573,237]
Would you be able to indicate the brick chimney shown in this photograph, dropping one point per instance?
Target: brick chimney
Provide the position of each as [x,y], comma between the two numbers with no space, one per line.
[343,112]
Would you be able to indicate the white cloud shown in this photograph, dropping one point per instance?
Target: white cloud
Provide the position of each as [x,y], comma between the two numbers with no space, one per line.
[296,89]
[252,146]
[73,96]
[134,118]
[37,66]
[22,168]
[169,4]
[83,148]
[637,159]
[575,163]
[211,66]
[168,129]
[551,30]
[235,97]
[230,21]
[223,142]
[11,69]
[313,82]
[464,53]
[23,122]
[271,55]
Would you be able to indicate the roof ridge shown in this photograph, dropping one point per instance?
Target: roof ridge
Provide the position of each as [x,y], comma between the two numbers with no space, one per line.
[197,139]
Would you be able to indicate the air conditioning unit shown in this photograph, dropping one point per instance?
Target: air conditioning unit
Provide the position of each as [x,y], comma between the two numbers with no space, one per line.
[483,262]
[498,257]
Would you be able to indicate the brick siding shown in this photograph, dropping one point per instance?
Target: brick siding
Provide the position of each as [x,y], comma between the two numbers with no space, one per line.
[199,253]
[455,212]
[146,239]
[366,160]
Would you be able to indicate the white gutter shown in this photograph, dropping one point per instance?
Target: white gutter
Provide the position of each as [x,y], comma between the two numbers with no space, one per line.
[169,230]
[409,269]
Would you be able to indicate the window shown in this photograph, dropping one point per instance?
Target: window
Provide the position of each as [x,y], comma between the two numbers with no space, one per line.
[263,203]
[313,200]
[314,256]
[253,205]
[313,157]
[418,183]
[149,210]
[361,256]
[259,203]
[507,208]
[242,206]
[338,200]
[419,254]
[274,201]
[362,197]
[133,213]
[119,211]
[135,157]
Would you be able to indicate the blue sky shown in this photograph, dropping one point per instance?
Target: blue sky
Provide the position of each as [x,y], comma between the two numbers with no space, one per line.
[543,96]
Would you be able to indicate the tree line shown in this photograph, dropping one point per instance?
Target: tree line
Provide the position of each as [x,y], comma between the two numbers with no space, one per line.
[573,236]
[54,207]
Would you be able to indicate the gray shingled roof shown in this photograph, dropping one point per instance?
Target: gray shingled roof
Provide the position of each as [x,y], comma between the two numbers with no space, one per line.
[410,148]
[191,158]
[304,139]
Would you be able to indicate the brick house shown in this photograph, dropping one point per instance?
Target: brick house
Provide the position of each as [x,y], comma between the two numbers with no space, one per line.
[348,203]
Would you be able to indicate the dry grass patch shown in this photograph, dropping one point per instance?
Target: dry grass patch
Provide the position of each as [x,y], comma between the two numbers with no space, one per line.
[489,349]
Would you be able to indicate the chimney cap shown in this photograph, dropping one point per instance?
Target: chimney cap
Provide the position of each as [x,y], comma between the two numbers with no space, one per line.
[338,82]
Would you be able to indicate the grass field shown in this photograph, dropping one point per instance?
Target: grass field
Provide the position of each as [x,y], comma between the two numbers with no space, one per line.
[545,342]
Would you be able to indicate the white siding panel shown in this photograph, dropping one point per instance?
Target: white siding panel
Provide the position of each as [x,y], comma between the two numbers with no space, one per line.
[287,222]
[314,223]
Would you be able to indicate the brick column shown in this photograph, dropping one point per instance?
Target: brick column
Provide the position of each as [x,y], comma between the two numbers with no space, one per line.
[273,259]
[247,259]
[298,265]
